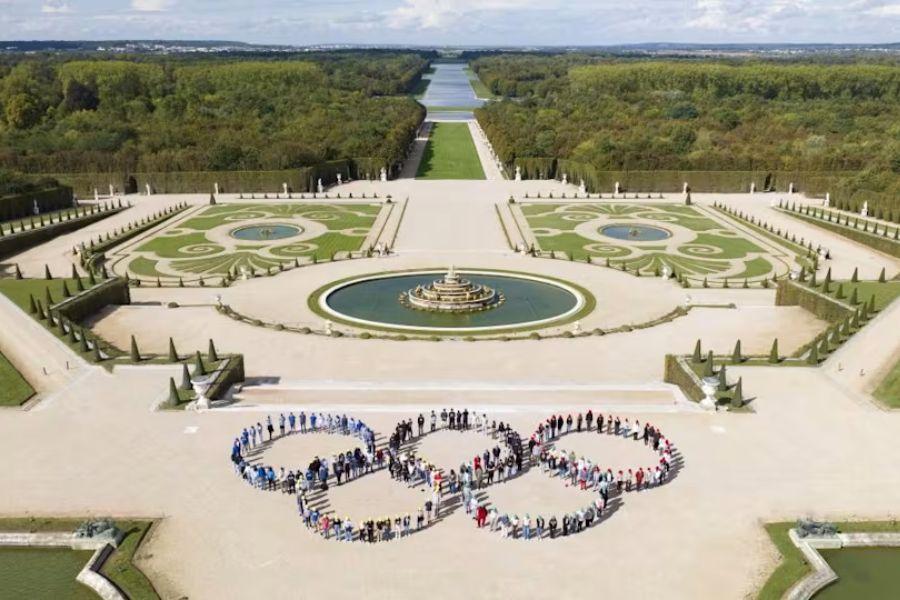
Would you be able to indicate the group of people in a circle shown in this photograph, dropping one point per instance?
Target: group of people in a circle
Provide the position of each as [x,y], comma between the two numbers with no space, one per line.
[502,462]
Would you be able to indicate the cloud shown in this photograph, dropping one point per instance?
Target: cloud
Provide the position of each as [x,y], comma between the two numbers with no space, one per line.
[55,7]
[434,14]
[886,10]
[152,5]
[752,16]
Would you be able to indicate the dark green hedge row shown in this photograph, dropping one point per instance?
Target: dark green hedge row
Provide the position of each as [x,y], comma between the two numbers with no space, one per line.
[673,181]
[679,373]
[22,205]
[232,372]
[887,245]
[203,182]
[791,293]
[93,300]
[23,240]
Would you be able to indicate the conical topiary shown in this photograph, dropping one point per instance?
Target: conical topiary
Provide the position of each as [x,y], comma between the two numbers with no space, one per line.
[881,276]
[97,356]
[827,283]
[65,290]
[736,357]
[773,353]
[174,398]
[185,378]
[18,272]
[698,353]
[32,307]
[839,293]
[813,357]
[83,343]
[48,298]
[723,379]
[199,367]
[855,277]
[854,297]
[47,274]
[737,398]
[212,354]
[871,305]
[708,367]
[823,347]
[173,354]
[135,353]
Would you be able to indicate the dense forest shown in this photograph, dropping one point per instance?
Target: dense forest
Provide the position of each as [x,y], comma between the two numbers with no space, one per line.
[621,115]
[101,114]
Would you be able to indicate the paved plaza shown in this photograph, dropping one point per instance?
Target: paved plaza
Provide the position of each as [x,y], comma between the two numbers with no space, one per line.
[813,444]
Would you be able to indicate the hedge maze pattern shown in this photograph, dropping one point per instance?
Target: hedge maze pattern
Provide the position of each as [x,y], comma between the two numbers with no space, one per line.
[202,246]
[699,246]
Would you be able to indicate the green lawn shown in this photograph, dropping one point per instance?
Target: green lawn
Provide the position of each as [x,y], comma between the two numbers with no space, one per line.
[450,154]
[14,390]
[884,293]
[793,567]
[889,389]
[50,573]
[481,90]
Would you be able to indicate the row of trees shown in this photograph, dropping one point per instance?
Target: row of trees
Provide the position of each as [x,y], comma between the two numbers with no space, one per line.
[188,114]
[697,115]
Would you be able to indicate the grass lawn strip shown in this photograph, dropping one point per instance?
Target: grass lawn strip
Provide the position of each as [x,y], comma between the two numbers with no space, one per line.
[119,568]
[450,154]
[888,391]
[14,390]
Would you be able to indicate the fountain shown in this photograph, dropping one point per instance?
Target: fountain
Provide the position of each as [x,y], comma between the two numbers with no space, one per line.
[452,294]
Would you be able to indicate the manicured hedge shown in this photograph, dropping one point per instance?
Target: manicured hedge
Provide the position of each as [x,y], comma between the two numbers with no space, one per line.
[791,293]
[878,242]
[93,255]
[23,240]
[89,302]
[679,373]
[22,205]
[232,372]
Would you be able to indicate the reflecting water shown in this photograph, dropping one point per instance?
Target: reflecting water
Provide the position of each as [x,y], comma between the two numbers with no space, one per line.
[450,87]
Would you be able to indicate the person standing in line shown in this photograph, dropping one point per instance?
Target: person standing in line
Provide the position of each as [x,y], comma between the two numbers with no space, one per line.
[433,421]
[552,524]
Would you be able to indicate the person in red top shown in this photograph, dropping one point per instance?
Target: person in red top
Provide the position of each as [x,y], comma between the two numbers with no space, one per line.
[639,477]
[480,515]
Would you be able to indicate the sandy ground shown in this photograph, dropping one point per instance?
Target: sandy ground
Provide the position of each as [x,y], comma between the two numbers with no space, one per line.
[815,445]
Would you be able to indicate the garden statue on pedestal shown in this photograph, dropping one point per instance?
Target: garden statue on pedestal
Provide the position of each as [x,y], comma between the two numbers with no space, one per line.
[383,174]
[827,200]
[339,180]
[518,173]
[582,188]
[201,386]
[149,191]
[752,187]
[96,195]
[565,178]
[709,398]
[791,188]
[319,186]
[865,209]
[216,187]
[617,188]
[112,190]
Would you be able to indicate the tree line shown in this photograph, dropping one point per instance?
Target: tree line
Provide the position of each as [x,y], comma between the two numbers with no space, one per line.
[87,113]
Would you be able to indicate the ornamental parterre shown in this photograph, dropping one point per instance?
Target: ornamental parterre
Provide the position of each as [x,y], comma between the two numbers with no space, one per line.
[505,458]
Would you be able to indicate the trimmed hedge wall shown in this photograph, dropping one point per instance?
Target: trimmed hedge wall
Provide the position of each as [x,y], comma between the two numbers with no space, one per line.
[791,293]
[874,241]
[680,373]
[231,373]
[23,240]
[203,182]
[89,302]
[22,205]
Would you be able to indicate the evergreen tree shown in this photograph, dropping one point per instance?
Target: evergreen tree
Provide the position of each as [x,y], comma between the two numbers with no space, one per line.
[736,357]
[174,399]
[698,354]
[185,378]
[773,353]
[135,353]
[199,367]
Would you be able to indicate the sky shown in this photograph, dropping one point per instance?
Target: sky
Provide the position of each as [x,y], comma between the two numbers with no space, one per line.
[455,22]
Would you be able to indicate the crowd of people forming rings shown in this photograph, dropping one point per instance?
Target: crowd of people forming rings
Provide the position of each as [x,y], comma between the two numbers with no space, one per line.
[506,457]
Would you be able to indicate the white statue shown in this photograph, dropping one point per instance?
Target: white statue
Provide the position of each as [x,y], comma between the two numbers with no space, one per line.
[216,187]
[245,272]
[865,209]
[684,188]
[339,179]
[666,272]
[752,187]
[383,175]
[582,188]
[112,190]
[319,186]
[96,195]
[35,208]
[791,188]
[617,188]
[201,386]
[149,191]
[565,178]
[284,186]
[518,173]
[827,200]
[329,328]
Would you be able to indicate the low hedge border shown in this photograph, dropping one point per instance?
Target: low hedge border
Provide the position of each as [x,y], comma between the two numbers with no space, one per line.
[19,206]
[880,242]
[13,243]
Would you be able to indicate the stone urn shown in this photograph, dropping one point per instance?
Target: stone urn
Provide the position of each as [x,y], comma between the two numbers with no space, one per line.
[201,387]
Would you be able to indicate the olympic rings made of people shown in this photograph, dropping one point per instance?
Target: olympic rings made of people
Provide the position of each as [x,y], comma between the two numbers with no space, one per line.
[450,491]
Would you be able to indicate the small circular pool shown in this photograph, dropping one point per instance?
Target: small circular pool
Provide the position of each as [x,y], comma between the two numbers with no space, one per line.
[636,233]
[265,233]
[531,302]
